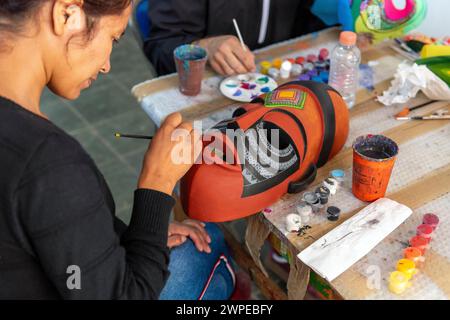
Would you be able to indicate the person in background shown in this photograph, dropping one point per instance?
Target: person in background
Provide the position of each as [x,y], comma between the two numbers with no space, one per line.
[208,23]
[59,236]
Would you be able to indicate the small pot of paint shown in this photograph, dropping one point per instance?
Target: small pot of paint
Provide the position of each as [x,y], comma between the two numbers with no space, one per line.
[425,230]
[408,267]
[313,200]
[373,161]
[338,174]
[190,61]
[431,219]
[305,211]
[333,213]
[323,193]
[420,243]
[398,282]
[414,254]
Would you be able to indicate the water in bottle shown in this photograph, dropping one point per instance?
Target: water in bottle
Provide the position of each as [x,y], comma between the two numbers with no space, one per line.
[344,67]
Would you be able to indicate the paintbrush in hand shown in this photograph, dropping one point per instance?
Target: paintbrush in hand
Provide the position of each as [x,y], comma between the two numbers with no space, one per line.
[132,136]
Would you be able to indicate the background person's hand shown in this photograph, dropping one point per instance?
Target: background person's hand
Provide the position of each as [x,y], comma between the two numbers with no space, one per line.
[193,229]
[226,55]
[160,170]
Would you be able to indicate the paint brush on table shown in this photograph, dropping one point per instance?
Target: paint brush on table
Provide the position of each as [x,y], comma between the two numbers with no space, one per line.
[132,136]
[405,112]
[239,35]
[432,117]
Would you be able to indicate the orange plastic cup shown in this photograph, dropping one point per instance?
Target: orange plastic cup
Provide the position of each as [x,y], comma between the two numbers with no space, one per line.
[414,254]
[373,161]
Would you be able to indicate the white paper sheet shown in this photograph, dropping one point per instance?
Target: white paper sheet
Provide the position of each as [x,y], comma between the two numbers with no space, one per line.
[339,249]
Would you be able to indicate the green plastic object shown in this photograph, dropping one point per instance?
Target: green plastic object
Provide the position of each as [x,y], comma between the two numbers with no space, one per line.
[440,66]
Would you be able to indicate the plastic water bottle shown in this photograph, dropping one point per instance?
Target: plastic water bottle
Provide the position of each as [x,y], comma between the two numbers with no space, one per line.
[344,67]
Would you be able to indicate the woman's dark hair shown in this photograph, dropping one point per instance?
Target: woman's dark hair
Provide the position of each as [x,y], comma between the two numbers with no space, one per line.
[14,14]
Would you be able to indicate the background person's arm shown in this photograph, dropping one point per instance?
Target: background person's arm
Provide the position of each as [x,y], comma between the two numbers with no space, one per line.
[174,22]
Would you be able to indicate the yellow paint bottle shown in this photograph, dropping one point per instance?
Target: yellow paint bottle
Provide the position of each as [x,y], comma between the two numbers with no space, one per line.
[265,66]
[398,282]
[408,267]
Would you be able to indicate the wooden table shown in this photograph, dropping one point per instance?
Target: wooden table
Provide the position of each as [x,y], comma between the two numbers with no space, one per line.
[421,177]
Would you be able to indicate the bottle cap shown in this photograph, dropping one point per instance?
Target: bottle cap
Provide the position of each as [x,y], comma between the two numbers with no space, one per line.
[334,211]
[431,219]
[348,38]
[425,230]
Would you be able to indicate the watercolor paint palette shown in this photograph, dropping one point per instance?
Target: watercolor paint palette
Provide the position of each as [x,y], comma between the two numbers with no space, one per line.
[246,87]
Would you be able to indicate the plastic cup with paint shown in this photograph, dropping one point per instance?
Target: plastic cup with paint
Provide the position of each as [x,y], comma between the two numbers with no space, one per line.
[332,185]
[285,70]
[273,73]
[276,63]
[414,254]
[373,160]
[297,69]
[265,66]
[338,174]
[425,230]
[190,61]
[420,243]
[305,211]
[333,213]
[398,282]
[293,222]
[431,219]
[408,267]
[323,193]
[313,200]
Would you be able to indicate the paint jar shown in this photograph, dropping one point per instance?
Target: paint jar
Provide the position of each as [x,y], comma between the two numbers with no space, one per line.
[425,230]
[332,185]
[338,174]
[398,282]
[408,267]
[305,211]
[323,193]
[273,73]
[431,219]
[415,255]
[373,161]
[190,61]
[313,200]
[276,63]
[285,70]
[420,243]
[333,213]
[293,222]
[265,66]
[297,70]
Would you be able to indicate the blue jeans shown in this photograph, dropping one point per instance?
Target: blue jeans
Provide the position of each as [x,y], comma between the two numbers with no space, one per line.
[197,275]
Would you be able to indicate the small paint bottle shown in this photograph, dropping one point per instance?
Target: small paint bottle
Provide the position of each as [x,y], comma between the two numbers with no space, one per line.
[297,70]
[285,70]
[420,243]
[305,211]
[332,185]
[273,73]
[398,282]
[333,213]
[276,63]
[323,193]
[338,174]
[324,54]
[293,222]
[415,255]
[313,200]
[265,66]
[300,60]
[431,219]
[408,267]
[425,230]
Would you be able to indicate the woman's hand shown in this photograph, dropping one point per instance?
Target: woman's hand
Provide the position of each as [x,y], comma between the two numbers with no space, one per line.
[174,149]
[179,232]
[226,55]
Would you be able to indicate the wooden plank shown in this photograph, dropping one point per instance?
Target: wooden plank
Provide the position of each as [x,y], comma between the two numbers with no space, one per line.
[268,288]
